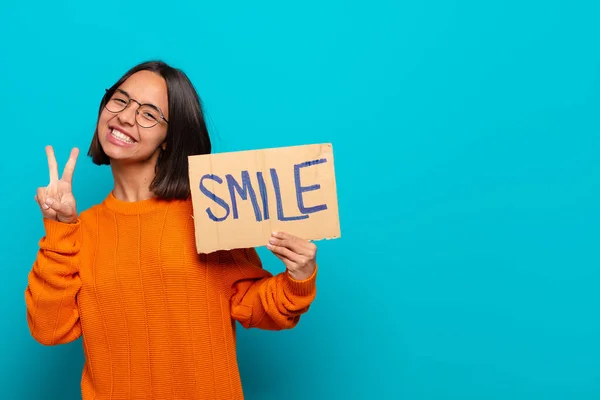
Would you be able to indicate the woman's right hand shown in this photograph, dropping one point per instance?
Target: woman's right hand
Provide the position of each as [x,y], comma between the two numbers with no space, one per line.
[56,200]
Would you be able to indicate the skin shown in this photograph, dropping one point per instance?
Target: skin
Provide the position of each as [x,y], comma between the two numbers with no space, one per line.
[133,165]
[133,170]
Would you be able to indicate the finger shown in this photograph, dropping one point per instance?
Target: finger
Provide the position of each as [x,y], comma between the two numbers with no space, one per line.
[41,198]
[285,252]
[52,166]
[63,209]
[297,245]
[288,263]
[70,167]
[37,200]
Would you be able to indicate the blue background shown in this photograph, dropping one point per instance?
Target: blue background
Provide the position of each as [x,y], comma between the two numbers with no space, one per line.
[466,143]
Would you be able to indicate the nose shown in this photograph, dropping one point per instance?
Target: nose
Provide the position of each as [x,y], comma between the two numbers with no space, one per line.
[128,115]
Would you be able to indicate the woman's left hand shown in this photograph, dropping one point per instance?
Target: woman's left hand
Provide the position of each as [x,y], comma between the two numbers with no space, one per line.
[298,255]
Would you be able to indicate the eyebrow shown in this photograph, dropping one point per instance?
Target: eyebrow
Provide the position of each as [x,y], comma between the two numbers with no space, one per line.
[146,104]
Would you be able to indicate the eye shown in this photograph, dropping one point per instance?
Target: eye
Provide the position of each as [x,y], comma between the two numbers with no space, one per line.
[149,113]
[150,116]
[118,100]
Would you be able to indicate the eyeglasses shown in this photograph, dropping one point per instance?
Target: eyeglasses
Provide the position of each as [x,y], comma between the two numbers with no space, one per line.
[147,115]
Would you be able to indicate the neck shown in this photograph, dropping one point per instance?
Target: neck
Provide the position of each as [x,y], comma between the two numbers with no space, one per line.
[132,181]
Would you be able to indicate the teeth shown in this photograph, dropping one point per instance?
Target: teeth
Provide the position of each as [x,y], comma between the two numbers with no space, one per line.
[121,136]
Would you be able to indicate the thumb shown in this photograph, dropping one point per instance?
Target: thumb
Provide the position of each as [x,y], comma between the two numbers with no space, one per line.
[63,211]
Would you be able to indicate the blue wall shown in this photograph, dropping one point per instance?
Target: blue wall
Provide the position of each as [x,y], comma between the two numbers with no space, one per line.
[466,137]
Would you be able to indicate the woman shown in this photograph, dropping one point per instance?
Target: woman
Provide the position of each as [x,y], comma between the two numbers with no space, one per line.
[157,319]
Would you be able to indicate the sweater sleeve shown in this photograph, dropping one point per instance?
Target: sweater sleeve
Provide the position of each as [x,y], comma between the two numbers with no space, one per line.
[53,284]
[259,299]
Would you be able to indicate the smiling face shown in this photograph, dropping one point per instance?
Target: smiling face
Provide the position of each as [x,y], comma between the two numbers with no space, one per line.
[121,137]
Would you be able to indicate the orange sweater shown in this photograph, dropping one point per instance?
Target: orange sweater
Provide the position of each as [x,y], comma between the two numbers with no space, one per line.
[158,320]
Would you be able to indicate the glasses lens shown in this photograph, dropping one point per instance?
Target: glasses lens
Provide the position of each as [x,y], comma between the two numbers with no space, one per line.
[117,103]
[148,116]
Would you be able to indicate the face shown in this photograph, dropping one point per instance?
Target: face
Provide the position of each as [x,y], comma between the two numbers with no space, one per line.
[121,137]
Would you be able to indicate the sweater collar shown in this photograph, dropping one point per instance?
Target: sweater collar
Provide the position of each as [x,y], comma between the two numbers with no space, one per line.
[133,207]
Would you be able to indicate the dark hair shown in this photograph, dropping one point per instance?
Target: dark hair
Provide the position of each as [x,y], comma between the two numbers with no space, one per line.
[187,133]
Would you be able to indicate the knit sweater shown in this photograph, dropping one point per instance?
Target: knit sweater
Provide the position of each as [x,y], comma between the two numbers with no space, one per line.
[158,320]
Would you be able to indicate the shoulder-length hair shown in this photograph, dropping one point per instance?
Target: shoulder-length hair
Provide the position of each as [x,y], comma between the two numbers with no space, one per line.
[187,133]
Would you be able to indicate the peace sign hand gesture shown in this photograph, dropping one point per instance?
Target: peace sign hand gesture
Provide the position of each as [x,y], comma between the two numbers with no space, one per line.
[56,200]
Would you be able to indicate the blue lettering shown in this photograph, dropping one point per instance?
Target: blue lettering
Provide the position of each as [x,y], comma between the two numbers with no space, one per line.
[280,215]
[300,189]
[243,191]
[263,194]
[213,197]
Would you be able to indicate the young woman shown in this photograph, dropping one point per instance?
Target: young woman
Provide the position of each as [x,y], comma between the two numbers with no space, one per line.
[157,319]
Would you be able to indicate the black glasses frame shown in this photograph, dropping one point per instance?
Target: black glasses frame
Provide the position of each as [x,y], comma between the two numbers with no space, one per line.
[136,111]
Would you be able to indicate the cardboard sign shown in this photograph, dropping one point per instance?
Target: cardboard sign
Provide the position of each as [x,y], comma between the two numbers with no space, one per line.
[240,197]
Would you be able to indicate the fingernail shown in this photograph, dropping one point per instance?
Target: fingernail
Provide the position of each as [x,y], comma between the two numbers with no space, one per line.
[272,240]
[49,201]
[274,233]
[45,206]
